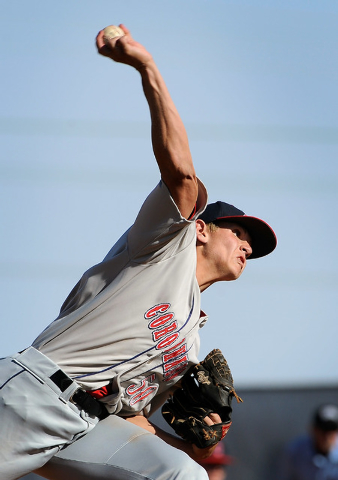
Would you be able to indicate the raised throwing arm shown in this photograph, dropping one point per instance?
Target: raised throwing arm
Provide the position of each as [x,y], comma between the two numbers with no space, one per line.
[169,138]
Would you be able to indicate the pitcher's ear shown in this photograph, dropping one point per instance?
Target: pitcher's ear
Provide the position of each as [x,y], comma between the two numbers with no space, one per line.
[202,231]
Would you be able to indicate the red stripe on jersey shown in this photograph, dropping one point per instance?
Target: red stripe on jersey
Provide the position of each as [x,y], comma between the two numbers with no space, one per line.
[193,212]
[100,392]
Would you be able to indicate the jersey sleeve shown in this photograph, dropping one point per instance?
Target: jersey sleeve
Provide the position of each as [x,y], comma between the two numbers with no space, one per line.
[159,220]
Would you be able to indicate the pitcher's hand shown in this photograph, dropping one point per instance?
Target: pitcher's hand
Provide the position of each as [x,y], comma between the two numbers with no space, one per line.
[124,49]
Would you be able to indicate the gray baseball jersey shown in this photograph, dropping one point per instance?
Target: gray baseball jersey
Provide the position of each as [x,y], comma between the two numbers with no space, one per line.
[132,321]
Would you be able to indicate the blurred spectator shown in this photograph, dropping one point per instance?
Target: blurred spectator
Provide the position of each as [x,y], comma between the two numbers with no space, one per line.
[314,456]
[217,463]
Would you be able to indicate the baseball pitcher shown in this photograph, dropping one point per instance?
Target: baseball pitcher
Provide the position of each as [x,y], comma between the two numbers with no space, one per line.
[77,401]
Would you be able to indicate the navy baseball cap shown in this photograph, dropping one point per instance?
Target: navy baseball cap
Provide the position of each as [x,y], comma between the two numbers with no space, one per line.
[326,418]
[264,240]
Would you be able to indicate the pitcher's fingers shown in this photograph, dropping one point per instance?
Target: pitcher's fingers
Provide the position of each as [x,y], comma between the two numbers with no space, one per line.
[212,419]
[99,40]
[125,29]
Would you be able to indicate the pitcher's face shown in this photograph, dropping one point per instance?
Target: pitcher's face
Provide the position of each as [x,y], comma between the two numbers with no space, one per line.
[230,247]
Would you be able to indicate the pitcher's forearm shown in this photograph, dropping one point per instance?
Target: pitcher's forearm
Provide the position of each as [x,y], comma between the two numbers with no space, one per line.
[170,141]
[194,452]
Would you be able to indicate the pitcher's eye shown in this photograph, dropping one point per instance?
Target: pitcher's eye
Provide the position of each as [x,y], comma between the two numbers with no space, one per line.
[237,232]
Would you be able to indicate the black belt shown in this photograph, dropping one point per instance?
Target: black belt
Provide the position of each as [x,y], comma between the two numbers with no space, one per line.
[88,403]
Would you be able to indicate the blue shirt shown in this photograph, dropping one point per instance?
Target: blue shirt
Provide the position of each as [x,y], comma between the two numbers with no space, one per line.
[302,462]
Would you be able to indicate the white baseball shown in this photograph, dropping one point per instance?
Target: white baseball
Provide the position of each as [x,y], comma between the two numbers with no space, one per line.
[111,32]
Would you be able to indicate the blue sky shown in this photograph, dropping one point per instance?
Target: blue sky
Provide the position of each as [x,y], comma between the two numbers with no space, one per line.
[256,85]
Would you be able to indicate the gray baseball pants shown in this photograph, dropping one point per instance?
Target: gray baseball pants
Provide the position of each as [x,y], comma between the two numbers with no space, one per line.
[119,450]
[36,418]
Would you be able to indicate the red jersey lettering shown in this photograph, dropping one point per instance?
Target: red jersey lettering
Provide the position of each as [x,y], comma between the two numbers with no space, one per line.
[175,353]
[173,365]
[173,373]
[158,334]
[161,308]
[166,342]
[140,391]
[134,388]
[163,319]
[143,394]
